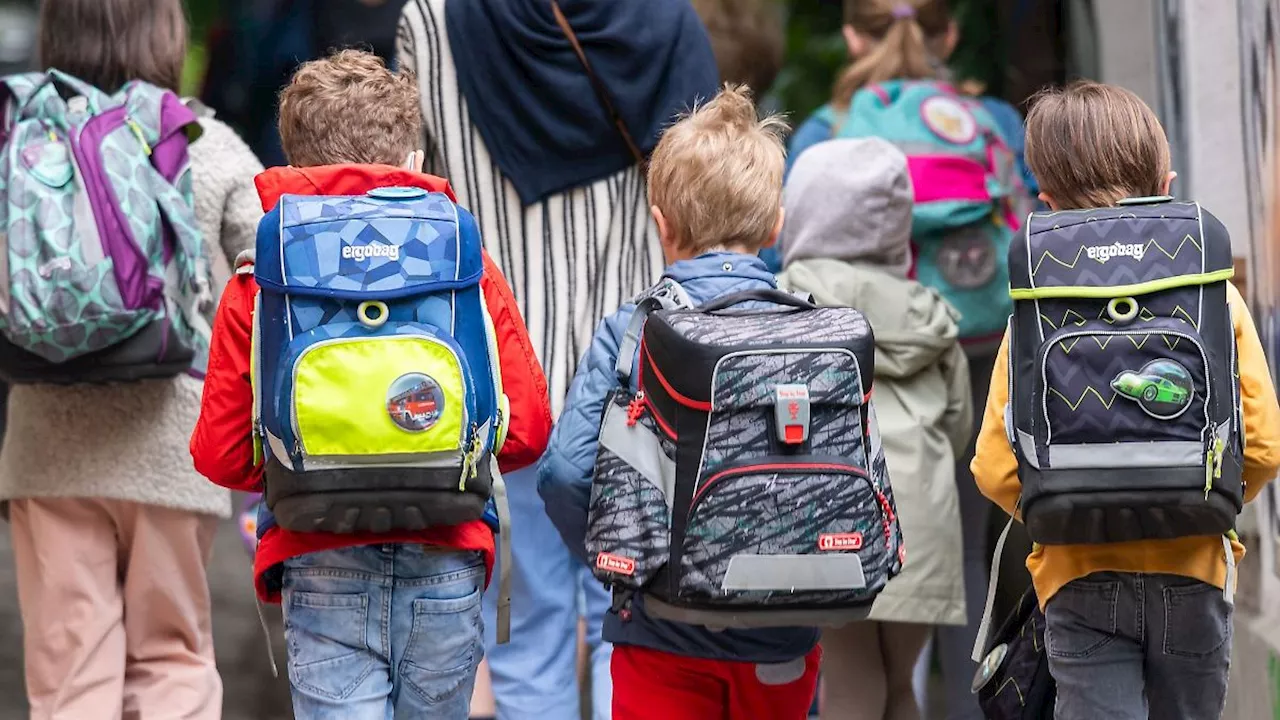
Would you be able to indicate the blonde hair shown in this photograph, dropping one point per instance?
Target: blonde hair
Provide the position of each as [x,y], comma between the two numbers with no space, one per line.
[748,39]
[907,37]
[349,108]
[716,175]
[1092,145]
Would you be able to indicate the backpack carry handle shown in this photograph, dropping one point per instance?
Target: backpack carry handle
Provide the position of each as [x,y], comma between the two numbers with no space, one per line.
[778,297]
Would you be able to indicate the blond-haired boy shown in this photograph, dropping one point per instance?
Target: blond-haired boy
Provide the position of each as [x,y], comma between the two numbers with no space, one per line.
[1142,628]
[715,183]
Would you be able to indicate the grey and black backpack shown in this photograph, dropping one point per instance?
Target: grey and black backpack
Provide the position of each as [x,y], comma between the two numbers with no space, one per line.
[744,484]
[1124,390]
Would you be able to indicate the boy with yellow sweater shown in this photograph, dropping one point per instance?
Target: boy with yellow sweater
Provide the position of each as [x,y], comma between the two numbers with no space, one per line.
[1137,628]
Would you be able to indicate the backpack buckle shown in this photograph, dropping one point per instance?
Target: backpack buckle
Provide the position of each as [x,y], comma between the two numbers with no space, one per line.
[791,411]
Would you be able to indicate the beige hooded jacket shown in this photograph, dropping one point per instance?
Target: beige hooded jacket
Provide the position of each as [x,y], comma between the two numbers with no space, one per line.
[922,401]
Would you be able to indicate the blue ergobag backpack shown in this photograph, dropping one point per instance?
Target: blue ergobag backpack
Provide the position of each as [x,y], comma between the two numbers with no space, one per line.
[967,191]
[102,272]
[377,389]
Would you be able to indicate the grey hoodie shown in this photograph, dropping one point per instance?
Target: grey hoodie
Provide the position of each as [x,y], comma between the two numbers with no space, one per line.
[923,405]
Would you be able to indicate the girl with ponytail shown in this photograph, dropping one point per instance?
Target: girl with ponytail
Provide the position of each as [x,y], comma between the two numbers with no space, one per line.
[969,199]
[893,40]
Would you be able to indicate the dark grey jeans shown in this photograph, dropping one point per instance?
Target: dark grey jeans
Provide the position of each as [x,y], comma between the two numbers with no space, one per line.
[1125,646]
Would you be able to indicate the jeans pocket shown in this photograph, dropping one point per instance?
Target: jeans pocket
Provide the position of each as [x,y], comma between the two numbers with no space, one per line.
[329,654]
[1081,618]
[445,645]
[1197,620]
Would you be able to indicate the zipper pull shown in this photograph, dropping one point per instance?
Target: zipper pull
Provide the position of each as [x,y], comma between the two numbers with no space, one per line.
[469,458]
[137,131]
[1219,451]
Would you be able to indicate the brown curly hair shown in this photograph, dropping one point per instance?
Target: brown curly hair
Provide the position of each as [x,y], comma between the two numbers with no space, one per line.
[349,108]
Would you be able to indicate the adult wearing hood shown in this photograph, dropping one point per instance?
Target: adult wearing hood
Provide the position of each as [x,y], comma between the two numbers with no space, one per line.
[847,242]
[548,156]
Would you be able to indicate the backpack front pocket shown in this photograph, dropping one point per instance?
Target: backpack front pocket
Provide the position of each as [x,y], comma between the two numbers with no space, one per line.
[406,393]
[1144,388]
[786,531]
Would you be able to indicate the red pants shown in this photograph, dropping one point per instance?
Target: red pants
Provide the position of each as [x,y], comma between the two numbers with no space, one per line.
[652,685]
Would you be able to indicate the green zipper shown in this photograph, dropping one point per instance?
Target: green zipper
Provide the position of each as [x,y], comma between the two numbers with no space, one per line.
[146,147]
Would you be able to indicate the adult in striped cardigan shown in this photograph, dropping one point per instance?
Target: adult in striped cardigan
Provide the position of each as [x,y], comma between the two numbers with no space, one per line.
[532,145]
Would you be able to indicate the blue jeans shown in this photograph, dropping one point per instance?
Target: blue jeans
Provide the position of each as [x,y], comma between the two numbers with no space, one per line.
[1125,646]
[536,674]
[383,631]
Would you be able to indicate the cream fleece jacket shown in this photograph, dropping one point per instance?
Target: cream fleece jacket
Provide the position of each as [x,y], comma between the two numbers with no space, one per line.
[129,441]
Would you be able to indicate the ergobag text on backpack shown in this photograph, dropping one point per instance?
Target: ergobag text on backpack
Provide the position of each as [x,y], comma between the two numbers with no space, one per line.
[744,484]
[103,276]
[377,389]
[967,190]
[1124,389]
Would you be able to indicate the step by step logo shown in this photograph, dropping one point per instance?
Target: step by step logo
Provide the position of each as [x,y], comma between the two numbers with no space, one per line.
[616,564]
[840,541]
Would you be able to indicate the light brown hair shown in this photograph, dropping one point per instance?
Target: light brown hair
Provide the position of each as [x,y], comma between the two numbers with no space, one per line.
[747,38]
[1092,145]
[107,43]
[716,175]
[349,108]
[908,39]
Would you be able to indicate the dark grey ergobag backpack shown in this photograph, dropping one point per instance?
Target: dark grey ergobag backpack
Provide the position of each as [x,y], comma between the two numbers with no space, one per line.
[1124,389]
[744,484]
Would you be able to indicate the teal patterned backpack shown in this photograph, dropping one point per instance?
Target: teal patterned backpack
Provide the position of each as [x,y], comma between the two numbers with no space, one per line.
[969,195]
[102,276]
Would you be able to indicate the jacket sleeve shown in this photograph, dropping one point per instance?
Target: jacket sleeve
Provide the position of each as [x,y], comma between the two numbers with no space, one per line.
[1258,399]
[564,473]
[522,378]
[222,443]
[958,421]
[994,466]
[241,209]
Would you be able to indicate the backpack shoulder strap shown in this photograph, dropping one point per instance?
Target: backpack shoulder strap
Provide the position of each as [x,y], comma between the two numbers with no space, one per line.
[665,295]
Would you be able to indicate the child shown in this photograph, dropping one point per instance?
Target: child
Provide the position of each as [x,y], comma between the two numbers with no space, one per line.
[375,622]
[847,242]
[897,87]
[96,479]
[715,184]
[1143,628]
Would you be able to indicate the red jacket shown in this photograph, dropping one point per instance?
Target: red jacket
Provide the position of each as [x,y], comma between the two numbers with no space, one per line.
[222,444]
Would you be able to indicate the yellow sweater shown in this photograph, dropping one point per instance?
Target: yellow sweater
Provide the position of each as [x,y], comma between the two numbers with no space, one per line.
[996,471]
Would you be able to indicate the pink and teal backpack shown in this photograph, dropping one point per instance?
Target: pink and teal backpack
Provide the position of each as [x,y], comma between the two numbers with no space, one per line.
[968,192]
[102,276]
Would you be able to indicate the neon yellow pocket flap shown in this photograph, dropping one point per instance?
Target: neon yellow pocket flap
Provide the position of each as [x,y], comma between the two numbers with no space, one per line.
[389,395]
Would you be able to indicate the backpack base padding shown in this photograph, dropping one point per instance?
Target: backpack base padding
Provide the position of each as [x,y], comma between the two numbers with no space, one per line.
[132,359]
[1126,516]
[722,617]
[376,500]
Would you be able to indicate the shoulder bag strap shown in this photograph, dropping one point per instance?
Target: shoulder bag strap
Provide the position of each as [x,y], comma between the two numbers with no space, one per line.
[601,92]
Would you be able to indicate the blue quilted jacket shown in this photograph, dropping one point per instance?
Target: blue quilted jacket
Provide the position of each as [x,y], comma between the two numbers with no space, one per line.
[564,473]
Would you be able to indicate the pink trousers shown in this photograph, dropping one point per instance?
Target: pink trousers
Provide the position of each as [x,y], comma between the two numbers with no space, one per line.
[115,610]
